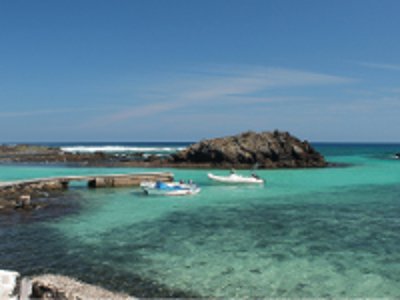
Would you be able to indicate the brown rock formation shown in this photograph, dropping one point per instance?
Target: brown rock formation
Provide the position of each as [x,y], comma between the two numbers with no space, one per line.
[267,150]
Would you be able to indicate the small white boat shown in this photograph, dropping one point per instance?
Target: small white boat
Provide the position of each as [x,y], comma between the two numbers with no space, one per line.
[169,189]
[235,178]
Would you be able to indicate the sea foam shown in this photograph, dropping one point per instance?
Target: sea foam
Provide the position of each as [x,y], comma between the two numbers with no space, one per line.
[92,149]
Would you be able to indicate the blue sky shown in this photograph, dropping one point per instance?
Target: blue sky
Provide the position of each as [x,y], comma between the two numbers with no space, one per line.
[93,70]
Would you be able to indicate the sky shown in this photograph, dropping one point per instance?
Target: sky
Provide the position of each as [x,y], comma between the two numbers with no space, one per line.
[184,70]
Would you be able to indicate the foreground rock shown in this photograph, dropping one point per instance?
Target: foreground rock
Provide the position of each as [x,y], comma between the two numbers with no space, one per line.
[13,286]
[266,150]
[62,287]
[8,284]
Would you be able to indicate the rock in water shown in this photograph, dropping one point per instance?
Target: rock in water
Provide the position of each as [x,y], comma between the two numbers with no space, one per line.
[267,149]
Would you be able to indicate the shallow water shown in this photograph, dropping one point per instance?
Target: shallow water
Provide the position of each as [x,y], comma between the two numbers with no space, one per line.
[307,233]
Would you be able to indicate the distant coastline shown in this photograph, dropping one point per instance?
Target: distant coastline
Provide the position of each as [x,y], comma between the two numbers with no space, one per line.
[267,150]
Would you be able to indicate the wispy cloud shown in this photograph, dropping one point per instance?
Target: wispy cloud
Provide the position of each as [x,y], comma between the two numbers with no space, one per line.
[218,84]
[26,113]
[248,81]
[393,67]
[142,111]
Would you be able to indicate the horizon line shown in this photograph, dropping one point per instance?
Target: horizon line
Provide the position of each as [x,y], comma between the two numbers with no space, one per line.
[187,141]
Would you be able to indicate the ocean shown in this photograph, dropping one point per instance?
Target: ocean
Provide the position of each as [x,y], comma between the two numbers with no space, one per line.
[332,232]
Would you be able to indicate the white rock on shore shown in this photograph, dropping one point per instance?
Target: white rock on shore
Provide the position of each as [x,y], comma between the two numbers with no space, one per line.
[13,287]
[8,284]
[57,286]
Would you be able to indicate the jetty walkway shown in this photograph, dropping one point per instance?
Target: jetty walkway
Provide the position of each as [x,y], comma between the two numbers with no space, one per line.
[93,181]
[108,180]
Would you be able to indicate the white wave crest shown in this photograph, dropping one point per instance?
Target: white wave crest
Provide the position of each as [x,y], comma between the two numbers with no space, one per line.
[92,149]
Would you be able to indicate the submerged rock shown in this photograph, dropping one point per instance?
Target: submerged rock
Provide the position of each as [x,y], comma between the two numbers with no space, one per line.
[20,196]
[267,150]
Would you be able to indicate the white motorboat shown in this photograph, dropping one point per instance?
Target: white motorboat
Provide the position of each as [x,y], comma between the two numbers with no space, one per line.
[169,188]
[235,178]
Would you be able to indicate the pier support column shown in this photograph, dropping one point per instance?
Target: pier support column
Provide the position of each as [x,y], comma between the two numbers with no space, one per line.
[101,182]
[65,184]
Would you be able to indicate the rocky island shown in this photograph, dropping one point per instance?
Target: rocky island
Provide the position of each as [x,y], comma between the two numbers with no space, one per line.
[266,150]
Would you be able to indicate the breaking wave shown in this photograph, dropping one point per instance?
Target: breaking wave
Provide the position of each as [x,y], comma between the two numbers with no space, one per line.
[114,149]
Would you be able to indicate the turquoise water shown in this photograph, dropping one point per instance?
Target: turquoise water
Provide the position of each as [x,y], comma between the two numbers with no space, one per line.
[331,232]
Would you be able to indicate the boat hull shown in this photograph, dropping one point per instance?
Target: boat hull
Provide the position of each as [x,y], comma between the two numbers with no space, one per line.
[170,189]
[233,178]
[183,192]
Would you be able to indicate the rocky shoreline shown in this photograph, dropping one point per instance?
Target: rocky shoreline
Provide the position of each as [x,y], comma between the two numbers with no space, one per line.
[28,197]
[49,286]
[266,150]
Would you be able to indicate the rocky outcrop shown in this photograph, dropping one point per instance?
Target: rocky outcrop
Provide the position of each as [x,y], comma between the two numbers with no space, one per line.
[18,196]
[48,155]
[266,150]
[54,155]
[25,149]
[49,286]
[62,287]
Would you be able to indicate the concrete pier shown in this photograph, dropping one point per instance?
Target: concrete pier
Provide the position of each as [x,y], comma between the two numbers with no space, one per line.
[94,181]
[22,191]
